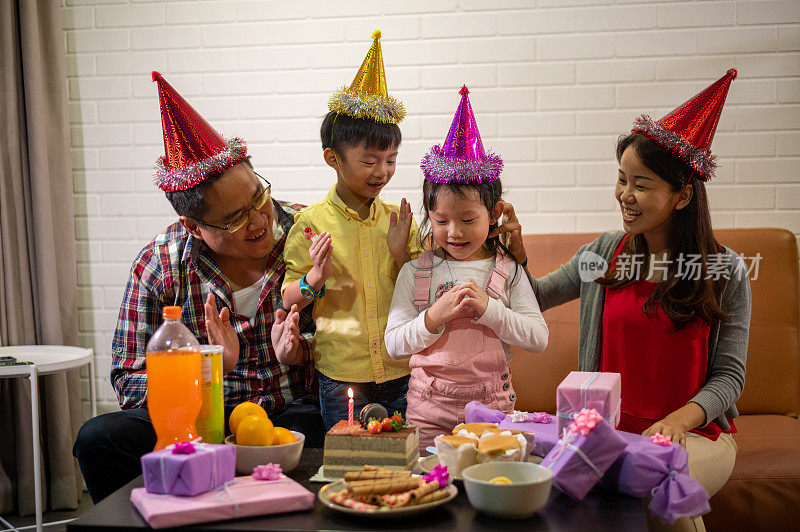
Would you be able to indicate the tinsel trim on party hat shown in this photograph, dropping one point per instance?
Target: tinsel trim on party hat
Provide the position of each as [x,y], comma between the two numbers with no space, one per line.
[186,177]
[367,96]
[702,161]
[382,109]
[441,168]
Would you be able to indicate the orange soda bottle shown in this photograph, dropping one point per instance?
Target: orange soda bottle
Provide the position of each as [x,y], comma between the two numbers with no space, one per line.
[173,380]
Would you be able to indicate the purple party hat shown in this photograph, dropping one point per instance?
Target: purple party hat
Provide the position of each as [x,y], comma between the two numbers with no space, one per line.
[461,158]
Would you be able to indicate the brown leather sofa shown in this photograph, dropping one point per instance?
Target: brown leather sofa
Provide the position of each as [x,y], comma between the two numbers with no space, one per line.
[763,492]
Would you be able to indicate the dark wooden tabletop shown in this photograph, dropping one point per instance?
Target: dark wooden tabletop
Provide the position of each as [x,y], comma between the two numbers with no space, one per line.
[600,510]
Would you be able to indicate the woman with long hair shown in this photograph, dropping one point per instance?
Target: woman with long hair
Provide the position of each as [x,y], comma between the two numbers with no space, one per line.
[671,314]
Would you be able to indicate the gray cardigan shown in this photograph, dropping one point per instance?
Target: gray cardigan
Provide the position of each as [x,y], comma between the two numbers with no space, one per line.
[727,342]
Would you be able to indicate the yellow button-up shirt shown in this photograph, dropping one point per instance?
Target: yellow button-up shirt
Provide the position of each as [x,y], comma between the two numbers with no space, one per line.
[351,316]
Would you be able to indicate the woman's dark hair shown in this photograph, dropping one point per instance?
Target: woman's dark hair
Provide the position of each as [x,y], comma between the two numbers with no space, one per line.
[682,299]
[488,195]
[190,202]
[340,131]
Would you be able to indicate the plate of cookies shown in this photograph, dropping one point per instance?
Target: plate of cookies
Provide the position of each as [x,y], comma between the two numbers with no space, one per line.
[377,492]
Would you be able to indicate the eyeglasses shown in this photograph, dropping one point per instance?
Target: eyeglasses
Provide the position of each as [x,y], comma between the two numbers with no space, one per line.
[241,220]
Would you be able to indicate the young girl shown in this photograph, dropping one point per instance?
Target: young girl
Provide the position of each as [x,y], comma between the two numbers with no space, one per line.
[456,309]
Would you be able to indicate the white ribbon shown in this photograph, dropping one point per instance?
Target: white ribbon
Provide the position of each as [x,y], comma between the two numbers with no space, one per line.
[566,443]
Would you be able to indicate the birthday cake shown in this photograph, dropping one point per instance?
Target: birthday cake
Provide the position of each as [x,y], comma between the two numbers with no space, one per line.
[351,446]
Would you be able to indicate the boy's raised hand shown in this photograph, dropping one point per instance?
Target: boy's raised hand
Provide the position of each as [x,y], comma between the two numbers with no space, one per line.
[399,231]
[221,332]
[321,253]
[285,336]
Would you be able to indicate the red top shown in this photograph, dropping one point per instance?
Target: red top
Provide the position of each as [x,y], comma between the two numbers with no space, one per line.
[661,369]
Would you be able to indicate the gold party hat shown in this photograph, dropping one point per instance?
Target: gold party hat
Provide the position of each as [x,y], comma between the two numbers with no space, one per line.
[367,96]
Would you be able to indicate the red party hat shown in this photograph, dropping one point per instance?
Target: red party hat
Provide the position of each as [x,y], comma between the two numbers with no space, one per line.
[688,130]
[193,149]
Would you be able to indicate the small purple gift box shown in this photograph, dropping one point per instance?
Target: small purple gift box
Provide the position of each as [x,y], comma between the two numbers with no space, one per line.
[583,454]
[187,472]
[588,389]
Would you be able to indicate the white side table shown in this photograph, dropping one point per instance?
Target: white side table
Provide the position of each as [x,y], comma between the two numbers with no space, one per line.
[47,359]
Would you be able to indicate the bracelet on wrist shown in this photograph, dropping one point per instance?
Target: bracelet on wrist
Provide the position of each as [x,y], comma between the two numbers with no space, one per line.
[308,292]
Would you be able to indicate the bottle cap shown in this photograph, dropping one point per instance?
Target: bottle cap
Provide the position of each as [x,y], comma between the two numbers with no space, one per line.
[171,313]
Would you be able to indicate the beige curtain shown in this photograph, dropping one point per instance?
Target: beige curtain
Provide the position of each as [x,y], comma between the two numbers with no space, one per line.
[38,275]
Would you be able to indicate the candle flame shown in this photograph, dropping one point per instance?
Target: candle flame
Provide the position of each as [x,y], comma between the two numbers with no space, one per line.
[350,393]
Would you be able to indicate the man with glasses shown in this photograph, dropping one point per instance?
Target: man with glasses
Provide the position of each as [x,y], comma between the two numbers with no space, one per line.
[222,262]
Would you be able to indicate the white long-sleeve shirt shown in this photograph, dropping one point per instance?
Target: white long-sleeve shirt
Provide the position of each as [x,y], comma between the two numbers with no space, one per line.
[515,317]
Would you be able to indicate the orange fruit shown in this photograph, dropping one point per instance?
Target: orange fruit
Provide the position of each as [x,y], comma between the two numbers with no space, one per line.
[283,436]
[243,410]
[255,430]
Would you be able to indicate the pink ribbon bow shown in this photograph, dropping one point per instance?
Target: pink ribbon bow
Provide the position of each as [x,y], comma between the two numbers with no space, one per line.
[184,447]
[541,417]
[267,472]
[438,473]
[660,439]
[585,421]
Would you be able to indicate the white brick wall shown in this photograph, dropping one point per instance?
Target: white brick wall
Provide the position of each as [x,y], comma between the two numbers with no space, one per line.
[553,84]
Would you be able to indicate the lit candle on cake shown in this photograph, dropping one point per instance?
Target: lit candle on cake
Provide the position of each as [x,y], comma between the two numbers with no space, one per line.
[350,406]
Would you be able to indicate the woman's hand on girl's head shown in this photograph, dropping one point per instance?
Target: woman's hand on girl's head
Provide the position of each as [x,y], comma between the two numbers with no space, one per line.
[510,232]
[321,253]
[473,297]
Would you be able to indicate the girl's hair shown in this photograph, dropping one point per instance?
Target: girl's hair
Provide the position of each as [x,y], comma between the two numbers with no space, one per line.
[340,131]
[488,196]
[682,299]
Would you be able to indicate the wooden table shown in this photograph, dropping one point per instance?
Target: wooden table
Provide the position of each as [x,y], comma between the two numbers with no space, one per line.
[601,510]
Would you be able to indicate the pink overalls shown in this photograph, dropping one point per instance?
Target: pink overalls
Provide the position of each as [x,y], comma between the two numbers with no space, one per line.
[467,363]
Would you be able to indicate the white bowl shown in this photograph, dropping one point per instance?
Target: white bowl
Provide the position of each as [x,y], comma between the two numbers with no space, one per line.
[250,456]
[526,495]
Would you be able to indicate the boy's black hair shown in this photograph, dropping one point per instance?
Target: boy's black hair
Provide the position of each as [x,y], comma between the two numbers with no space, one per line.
[340,131]
[190,202]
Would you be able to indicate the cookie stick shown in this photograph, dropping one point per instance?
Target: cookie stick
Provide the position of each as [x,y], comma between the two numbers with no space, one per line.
[431,497]
[375,474]
[341,498]
[383,485]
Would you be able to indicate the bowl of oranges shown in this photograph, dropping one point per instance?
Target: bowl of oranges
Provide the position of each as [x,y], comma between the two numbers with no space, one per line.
[259,442]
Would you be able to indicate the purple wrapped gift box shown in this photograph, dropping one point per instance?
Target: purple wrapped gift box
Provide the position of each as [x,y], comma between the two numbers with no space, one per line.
[189,474]
[645,468]
[581,457]
[588,389]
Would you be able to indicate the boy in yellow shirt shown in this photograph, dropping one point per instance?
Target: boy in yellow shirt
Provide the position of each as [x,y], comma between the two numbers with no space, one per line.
[344,252]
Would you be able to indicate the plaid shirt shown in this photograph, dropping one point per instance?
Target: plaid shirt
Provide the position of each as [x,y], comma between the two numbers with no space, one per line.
[176,269]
